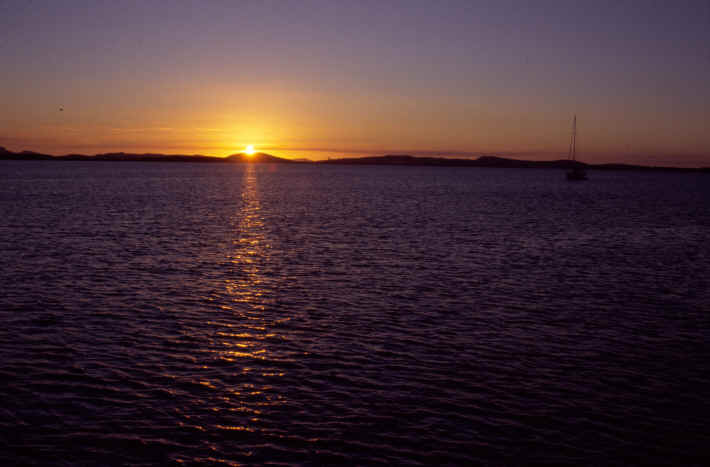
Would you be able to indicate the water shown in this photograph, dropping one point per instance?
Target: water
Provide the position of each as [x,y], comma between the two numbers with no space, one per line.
[222,315]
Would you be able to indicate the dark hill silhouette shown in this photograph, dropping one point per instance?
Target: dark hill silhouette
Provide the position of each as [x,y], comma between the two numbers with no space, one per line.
[122,156]
[23,156]
[392,159]
[491,161]
[483,161]
[260,157]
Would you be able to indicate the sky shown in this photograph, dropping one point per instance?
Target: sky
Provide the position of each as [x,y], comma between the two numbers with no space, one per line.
[322,79]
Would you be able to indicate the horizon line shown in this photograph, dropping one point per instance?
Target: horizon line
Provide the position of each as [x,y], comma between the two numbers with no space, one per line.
[336,152]
[413,154]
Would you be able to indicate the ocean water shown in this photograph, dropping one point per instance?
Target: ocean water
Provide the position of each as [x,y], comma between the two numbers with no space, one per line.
[200,314]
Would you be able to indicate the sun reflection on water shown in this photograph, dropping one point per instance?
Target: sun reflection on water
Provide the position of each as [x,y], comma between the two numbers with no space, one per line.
[249,252]
[240,340]
[250,248]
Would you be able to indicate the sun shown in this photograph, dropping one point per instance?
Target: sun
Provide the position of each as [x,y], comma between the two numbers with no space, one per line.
[249,151]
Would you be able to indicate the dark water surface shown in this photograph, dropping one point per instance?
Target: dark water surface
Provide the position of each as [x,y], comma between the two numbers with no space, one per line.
[223,314]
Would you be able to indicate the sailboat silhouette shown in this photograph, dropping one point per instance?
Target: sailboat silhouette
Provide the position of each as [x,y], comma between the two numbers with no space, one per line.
[577,171]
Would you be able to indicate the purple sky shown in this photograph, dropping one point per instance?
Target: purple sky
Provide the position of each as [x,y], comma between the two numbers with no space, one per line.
[328,78]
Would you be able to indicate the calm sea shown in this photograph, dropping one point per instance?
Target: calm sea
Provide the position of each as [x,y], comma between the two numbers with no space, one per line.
[158,313]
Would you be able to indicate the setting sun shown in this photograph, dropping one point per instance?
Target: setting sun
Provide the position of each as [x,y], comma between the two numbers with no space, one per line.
[249,150]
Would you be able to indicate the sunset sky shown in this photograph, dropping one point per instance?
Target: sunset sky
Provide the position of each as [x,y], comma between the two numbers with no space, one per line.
[324,79]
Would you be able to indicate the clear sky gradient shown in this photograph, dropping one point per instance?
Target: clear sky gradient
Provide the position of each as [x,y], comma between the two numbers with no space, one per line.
[328,78]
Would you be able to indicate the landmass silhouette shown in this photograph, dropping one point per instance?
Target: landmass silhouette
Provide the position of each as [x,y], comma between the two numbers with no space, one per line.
[391,160]
[258,157]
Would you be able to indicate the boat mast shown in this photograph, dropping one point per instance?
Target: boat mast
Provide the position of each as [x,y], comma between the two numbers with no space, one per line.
[573,145]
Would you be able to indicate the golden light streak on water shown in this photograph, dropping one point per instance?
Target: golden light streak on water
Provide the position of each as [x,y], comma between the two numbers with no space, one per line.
[242,342]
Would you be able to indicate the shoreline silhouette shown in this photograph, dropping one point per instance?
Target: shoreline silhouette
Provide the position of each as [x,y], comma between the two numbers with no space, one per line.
[486,161]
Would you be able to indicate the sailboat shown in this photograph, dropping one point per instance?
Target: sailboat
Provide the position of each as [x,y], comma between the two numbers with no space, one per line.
[577,172]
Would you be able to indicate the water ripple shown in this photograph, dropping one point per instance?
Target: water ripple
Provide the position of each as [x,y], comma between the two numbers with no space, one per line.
[185,314]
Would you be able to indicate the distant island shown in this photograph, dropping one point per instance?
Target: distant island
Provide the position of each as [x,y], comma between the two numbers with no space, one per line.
[496,162]
[128,157]
[390,160]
